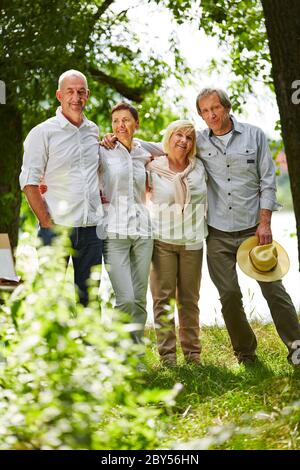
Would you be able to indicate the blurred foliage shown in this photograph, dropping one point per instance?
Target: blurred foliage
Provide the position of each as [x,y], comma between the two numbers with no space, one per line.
[69,379]
[28,221]
[284,195]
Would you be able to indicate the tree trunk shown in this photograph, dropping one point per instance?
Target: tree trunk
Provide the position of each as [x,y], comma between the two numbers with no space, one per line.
[282,19]
[10,164]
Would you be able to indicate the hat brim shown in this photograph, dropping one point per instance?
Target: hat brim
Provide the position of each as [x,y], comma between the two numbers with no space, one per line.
[247,267]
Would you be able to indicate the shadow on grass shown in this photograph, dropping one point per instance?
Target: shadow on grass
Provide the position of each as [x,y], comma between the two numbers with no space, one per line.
[220,376]
[207,381]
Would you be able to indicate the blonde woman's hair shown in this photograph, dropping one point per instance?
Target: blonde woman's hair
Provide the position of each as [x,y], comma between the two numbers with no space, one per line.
[181,125]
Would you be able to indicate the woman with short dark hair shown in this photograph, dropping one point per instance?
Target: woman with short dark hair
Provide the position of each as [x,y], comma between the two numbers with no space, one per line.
[128,244]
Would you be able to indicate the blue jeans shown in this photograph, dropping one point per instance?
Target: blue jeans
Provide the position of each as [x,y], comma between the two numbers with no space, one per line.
[88,253]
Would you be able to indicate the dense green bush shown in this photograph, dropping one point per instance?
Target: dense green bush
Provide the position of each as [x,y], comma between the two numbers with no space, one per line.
[69,380]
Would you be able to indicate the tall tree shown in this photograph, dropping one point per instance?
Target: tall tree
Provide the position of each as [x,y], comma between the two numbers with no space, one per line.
[283,28]
[40,40]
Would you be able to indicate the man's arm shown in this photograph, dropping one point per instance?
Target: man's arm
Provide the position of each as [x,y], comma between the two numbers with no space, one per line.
[33,169]
[104,200]
[268,202]
[109,141]
[37,205]
[155,149]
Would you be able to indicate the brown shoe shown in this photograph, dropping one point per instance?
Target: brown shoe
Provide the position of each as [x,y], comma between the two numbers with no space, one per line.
[168,361]
[193,360]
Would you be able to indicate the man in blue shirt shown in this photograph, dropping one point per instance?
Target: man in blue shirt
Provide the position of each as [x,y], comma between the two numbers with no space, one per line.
[241,197]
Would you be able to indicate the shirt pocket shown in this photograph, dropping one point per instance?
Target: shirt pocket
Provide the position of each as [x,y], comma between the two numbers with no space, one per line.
[247,161]
[212,162]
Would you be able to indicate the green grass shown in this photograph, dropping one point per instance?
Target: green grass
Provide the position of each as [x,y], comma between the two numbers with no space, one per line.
[231,406]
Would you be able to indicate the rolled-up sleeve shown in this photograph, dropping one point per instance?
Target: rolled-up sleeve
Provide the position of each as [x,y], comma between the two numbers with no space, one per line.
[35,157]
[266,170]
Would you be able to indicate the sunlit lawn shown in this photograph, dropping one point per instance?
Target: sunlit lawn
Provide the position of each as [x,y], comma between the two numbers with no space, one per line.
[237,407]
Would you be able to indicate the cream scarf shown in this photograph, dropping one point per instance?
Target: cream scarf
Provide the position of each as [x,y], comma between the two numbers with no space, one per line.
[160,166]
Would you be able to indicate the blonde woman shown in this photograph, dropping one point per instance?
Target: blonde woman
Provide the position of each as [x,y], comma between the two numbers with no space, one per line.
[178,201]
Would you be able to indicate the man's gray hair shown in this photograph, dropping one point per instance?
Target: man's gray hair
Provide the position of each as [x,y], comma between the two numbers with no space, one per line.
[71,73]
[224,99]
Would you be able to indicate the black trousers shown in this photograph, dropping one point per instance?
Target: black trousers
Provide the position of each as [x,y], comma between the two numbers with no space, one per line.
[88,253]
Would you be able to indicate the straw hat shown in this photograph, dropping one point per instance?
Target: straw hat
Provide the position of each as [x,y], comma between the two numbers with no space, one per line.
[265,263]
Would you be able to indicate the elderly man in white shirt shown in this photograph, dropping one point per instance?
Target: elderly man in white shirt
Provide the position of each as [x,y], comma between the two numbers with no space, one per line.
[63,151]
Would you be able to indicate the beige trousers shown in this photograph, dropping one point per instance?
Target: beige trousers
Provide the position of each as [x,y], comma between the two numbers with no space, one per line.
[176,274]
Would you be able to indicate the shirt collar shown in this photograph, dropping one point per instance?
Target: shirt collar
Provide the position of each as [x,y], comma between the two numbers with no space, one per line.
[64,122]
[236,127]
[135,145]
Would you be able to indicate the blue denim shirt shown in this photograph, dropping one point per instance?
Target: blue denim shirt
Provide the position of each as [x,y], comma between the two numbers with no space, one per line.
[241,177]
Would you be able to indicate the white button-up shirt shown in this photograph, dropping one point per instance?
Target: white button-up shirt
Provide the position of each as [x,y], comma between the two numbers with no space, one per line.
[123,183]
[169,223]
[66,157]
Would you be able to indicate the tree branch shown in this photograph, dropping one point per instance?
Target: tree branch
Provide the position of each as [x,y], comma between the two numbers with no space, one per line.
[105,5]
[136,94]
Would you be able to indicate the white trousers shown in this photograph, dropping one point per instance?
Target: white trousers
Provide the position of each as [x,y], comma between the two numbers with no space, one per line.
[127,262]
